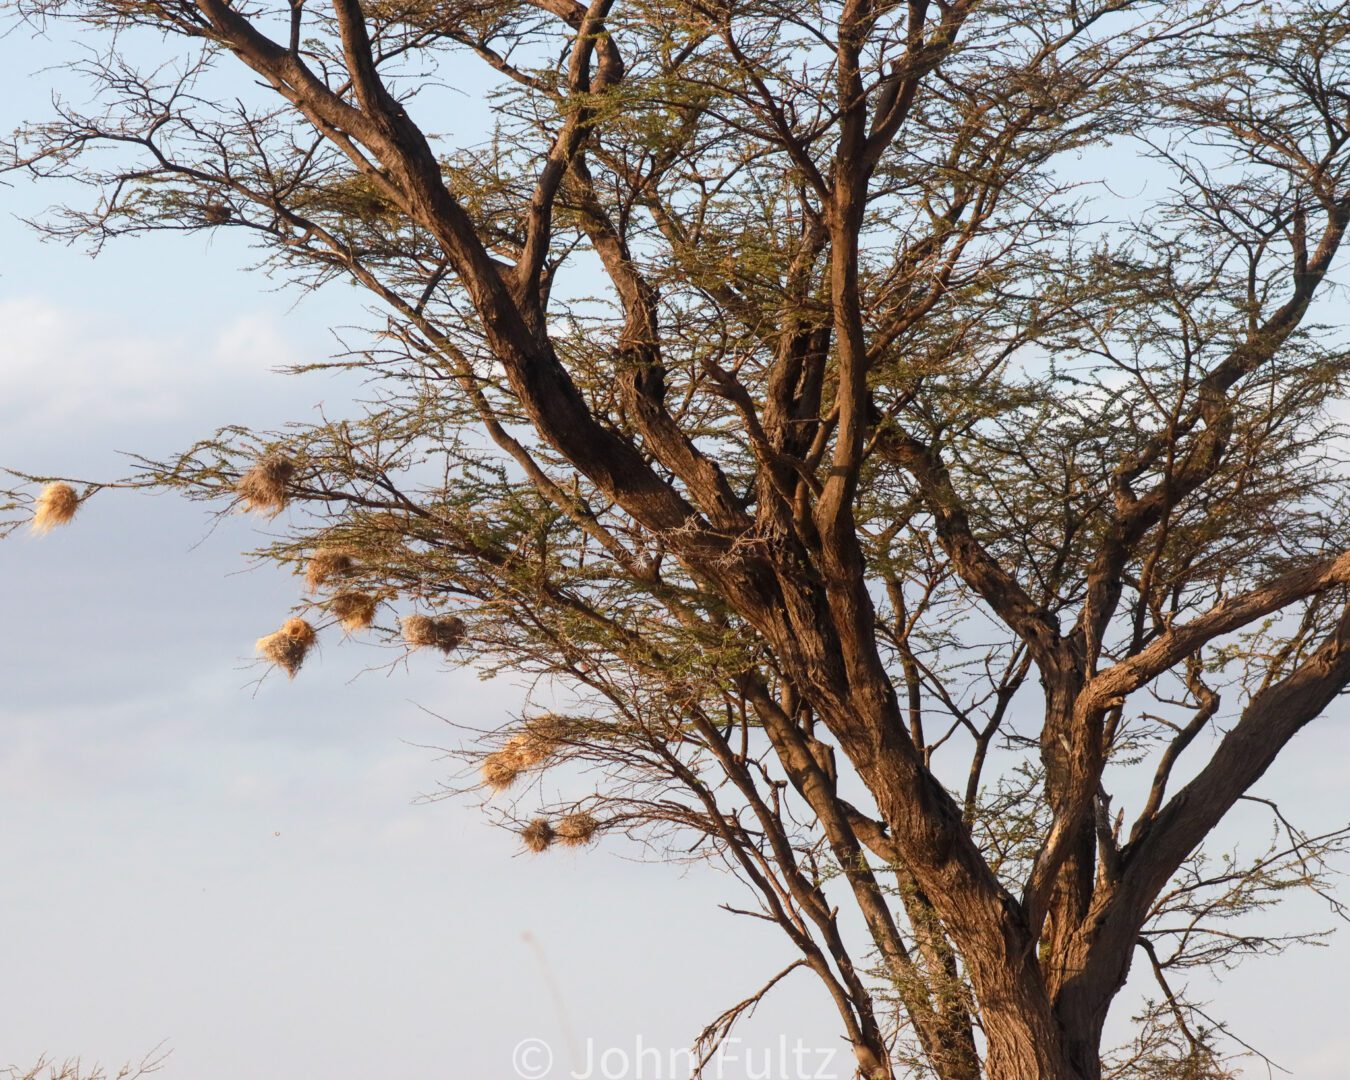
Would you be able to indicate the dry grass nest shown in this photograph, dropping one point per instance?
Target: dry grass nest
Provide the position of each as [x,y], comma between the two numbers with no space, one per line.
[500,770]
[540,740]
[56,505]
[327,564]
[355,610]
[264,487]
[444,632]
[577,830]
[538,835]
[288,647]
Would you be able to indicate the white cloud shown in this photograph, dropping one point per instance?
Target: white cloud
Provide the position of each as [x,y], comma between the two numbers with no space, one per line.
[65,371]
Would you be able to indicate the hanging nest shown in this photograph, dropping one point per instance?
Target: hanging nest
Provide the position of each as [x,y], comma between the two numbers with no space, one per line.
[325,565]
[355,610]
[56,505]
[544,736]
[577,830]
[263,487]
[538,835]
[288,647]
[443,632]
[540,740]
[501,769]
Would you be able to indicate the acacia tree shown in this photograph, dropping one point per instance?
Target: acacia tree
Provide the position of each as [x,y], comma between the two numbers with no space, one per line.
[947,546]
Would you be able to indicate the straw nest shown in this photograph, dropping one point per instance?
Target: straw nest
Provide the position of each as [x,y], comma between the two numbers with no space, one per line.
[577,830]
[288,647]
[545,734]
[264,487]
[327,564]
[443,632]
[500,770]
[355,610]
[538,835]
[539,741]
[56,505]
[217,213]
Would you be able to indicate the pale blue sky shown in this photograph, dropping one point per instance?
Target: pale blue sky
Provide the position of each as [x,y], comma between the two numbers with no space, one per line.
[243,872]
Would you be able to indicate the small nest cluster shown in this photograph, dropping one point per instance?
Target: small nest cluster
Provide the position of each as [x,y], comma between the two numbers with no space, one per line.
[444,632]
[327,564]
[56,505]
[574,830]
[355,610]
[540,740]
[288,647]
[264,487]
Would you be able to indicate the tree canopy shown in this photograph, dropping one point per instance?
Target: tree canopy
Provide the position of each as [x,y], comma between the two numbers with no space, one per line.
[900,438]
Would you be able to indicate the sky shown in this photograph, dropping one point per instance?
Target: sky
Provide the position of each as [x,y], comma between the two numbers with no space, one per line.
[247,874]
